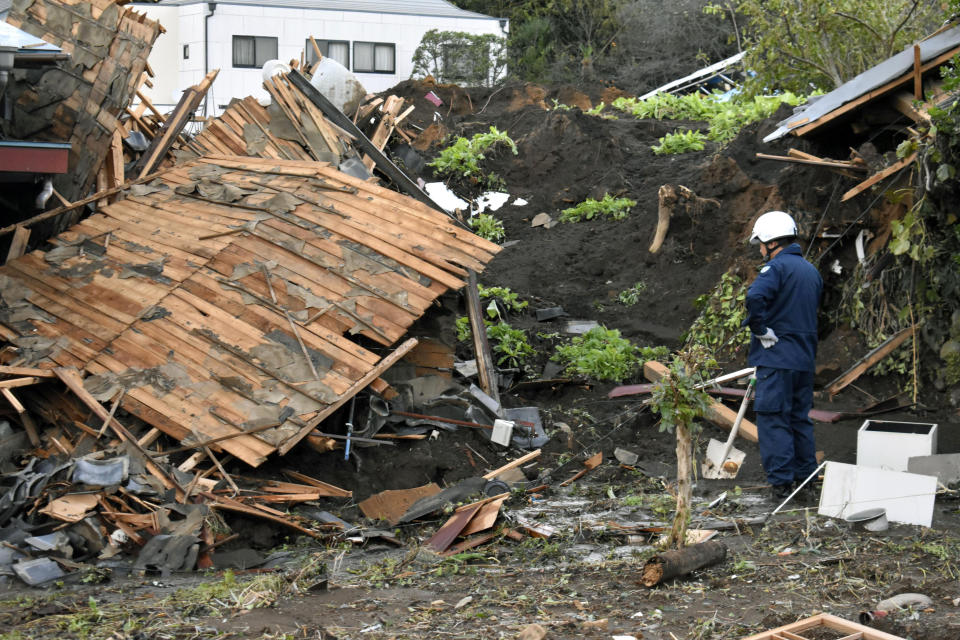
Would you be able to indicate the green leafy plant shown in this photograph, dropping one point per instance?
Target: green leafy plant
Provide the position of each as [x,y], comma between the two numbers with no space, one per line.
[488,227]
[631,296]
[462,325]
[608,207]
[680,142]
[719,327]
[462,158]
[510,343]
[600,353]
[725,117]
[509,299]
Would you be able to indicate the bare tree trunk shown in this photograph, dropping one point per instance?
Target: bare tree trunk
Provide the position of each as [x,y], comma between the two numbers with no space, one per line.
[678,533]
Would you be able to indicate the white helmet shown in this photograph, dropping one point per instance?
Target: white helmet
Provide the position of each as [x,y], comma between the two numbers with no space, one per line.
[773,225]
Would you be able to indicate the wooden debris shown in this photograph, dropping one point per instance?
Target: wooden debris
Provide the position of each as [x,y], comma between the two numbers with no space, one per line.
[820,624]
[878,177]
[867,361]
[25,418]
[189,101]
[109,45]
[512,465]
[18,245]
[675,563]
[830,164]
[392,504]
[592,462]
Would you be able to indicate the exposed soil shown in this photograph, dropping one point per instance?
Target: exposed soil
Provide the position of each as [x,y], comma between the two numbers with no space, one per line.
[797,565]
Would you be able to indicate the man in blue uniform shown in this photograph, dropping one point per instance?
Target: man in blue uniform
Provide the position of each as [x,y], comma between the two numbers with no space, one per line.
[782,313]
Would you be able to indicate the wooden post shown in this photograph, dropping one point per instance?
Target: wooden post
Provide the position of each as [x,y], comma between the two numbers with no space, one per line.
[486,369]
[25,418]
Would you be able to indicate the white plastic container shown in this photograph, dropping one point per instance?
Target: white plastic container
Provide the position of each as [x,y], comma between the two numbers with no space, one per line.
[890,445]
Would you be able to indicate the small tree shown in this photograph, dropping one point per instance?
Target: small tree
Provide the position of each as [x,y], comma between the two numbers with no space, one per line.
[679,402]
[461,58]
[793,44]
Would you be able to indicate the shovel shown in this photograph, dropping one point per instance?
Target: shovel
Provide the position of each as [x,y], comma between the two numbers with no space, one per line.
[723,459]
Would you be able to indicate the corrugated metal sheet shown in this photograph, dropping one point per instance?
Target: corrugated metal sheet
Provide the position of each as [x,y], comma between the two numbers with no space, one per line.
[870,80]
[438,8]
[202,291]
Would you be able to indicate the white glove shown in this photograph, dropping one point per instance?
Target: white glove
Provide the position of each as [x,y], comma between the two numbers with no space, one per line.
[768,339]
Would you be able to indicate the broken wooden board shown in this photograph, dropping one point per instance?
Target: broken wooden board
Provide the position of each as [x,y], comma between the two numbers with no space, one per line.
[717,413]
[390,505]
[862,365]
[879,177]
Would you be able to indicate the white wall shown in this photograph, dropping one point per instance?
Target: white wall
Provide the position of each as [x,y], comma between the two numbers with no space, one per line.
[291,27]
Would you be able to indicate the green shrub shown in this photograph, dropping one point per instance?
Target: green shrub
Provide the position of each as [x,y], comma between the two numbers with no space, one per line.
[462,325]
[631,296]
[488,227]
[680,142]
[462,158]
[600,354]
[608,207]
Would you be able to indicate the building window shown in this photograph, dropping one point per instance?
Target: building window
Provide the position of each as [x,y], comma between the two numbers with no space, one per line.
[374,57]
[186,52]
[338,50]
[253,51]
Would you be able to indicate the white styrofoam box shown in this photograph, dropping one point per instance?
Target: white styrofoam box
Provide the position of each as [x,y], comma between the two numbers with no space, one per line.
[907,497]
[890,445]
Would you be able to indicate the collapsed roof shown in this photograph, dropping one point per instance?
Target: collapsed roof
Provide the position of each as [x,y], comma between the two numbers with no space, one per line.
[218,300]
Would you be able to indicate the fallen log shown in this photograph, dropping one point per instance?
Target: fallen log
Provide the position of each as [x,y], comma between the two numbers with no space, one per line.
[676,563]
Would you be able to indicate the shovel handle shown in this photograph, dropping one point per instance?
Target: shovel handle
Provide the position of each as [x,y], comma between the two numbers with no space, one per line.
[736,423]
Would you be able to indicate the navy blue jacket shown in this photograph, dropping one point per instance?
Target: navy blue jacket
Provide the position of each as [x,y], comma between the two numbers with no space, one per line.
[785,297]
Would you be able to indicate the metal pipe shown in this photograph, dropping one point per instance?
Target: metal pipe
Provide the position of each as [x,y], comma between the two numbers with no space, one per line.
[212,6]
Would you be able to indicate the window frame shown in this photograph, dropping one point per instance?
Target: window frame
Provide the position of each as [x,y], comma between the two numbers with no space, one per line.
[324,45]
[233,58]
[393,48]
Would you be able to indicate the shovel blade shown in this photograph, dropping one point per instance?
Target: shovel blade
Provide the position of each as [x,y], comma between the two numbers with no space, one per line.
[716,468]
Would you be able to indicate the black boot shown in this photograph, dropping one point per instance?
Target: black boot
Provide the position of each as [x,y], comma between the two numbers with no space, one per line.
[779,492]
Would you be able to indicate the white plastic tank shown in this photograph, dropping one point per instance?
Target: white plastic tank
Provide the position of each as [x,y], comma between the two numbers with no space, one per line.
[338,85]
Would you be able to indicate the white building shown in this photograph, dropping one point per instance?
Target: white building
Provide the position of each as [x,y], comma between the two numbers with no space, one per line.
[375,39]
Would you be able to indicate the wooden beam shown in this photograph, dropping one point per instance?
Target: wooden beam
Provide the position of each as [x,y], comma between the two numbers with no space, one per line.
[879,176]
[512,465]
[717,413]
[868,361]
[904,103]
[917,73]
[831,164]
[870,95]
[25,418]
[18,246]
[486,369]
[354,389]
[27,371]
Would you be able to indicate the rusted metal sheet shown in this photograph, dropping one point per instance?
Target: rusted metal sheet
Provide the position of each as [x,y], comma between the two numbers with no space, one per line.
[224,294]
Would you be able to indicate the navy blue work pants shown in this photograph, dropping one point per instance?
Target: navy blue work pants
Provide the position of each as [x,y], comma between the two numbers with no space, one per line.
[785,432]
